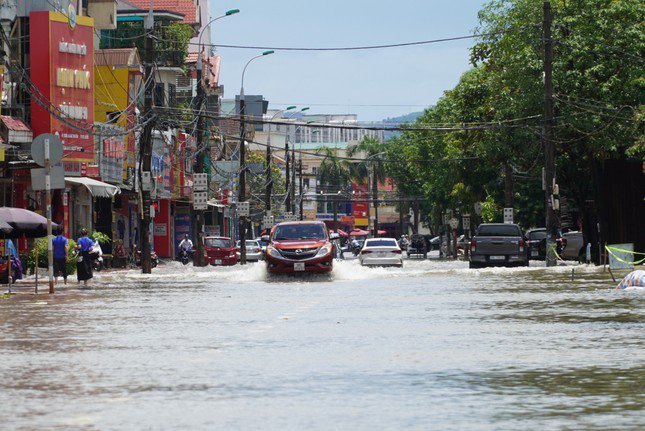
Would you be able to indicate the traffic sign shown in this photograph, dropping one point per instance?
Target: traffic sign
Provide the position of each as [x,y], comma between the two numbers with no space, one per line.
[56,178]
[55,149]
[200,200]
[200,182]
[508,215]
[465,222]
[243,209]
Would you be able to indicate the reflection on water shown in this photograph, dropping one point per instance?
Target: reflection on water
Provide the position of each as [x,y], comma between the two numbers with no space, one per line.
[430,346]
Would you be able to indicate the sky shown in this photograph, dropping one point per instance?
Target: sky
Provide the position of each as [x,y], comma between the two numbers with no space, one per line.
[374,84]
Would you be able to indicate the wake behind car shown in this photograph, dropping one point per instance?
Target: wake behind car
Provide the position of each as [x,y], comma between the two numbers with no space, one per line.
[220,250]
[498,244]
[300,247]
[381,252]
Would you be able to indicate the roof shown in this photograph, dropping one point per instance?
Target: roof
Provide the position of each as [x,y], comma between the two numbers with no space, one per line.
[186,8]
[128,57]
[96,188]
[14,124]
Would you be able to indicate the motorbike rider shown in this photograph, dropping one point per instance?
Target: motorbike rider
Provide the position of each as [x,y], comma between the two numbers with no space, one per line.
[186,245]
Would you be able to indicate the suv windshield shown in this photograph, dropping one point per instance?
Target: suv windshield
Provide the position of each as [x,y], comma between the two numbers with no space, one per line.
[217,242]
[498,230]
[299,231]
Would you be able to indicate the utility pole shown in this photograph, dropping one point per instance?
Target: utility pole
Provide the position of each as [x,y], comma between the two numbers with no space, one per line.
[145,155]
[287,202]
[199,164]
[269,178]
[293,179]
[302,196]
[242,185]
[549,150]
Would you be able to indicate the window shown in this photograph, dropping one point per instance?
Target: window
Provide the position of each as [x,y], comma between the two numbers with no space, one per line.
[159,94]
[498,230]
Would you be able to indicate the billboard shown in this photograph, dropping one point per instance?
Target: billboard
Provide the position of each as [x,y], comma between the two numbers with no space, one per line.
[62,69]
[359,205]
[111,160]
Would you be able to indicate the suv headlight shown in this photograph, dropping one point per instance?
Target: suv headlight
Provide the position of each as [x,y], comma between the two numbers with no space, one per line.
[324,250]
[273,252]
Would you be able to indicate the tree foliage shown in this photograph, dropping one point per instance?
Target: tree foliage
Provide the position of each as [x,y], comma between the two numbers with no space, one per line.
[599,91]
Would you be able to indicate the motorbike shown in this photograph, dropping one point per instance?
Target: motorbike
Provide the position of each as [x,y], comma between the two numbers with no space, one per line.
[185,256]
[154,259]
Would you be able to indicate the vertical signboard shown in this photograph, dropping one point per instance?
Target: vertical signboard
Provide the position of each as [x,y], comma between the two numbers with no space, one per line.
[62,69]
[111,159]
[182,225]
[359,204]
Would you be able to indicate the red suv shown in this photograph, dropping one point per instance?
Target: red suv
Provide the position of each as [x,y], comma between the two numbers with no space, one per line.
[220,250]
[303,246]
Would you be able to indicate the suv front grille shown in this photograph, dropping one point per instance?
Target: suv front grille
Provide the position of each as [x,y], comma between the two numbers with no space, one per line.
[299,254]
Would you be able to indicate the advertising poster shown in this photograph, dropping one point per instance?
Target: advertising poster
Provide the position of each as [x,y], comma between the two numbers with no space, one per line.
[62,70]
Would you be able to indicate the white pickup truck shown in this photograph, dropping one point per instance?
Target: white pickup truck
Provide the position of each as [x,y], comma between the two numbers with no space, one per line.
[498,244]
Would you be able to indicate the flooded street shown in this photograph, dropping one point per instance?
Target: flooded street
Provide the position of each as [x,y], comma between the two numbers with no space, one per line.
[430,346]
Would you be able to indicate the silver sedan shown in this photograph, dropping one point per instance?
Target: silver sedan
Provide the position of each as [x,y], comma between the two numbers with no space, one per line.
[253,251]
[381,252]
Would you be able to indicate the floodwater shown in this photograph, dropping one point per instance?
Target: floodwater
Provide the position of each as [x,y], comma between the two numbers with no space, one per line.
[430,346]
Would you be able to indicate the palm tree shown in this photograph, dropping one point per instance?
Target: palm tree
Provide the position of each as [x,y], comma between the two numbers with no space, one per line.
[374,151]
[333,173]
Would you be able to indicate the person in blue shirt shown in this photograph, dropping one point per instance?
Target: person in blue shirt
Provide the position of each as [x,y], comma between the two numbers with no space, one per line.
[60,246]
[83,262]
[14,259]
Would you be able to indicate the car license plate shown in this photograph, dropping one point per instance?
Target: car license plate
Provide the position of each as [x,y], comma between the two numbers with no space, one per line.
[497,257]
[299,266]
[218,261]
[534,252]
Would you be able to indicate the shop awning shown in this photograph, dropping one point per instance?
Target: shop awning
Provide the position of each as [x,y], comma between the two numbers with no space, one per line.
[97,188]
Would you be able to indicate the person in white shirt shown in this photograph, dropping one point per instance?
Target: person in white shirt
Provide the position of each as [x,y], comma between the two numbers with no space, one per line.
[186,244]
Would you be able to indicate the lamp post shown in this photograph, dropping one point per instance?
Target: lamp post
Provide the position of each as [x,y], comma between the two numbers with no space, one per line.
[242,184]
[269,180]
[199,164]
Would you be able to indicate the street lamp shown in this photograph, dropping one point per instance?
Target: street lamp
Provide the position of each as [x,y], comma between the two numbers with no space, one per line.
[201,33]
[199,165]
[242,184]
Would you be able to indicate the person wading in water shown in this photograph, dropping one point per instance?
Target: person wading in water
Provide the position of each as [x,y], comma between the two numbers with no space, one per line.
[83,261]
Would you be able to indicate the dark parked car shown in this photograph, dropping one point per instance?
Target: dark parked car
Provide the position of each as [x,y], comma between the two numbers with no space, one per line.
[417,246]
[434,243]
[536,243]
[498,244]
[574,247]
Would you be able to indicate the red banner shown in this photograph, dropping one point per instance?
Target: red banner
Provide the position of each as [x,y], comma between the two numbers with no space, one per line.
[62,69]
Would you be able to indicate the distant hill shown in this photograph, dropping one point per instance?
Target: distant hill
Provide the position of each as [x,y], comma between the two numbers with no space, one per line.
[395,121]
[407,118]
